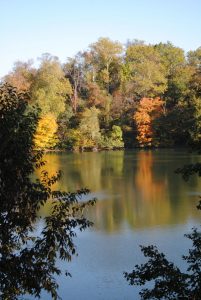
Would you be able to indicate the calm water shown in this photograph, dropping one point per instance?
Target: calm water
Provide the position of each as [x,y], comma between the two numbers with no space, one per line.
[140,201]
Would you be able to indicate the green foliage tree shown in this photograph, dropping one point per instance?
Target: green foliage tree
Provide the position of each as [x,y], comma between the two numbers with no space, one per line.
[194,58]
[103,55]
[173,128]
[64,123]
[89,127]
[86,134]
[194,129]
[177,72]
[50,88]
[28,262]
[173,58]
[116,136]
[143,74]
[113,140]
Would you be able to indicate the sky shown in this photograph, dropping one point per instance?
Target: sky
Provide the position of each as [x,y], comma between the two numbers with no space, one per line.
[29,28]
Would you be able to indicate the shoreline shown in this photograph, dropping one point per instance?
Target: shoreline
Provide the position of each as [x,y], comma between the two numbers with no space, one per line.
[117,149]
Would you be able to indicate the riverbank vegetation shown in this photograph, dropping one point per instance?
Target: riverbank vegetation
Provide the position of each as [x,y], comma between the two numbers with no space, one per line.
[113,96]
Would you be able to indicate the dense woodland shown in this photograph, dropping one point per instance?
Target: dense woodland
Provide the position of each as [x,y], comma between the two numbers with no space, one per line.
[114,96]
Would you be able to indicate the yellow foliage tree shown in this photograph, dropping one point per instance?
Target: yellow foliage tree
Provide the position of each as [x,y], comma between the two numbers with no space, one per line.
[45,136]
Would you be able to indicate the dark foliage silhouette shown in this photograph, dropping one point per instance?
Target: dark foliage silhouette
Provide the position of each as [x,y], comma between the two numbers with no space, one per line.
[28,262]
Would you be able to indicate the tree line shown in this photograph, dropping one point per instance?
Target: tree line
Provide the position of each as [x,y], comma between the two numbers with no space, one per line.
[114,96]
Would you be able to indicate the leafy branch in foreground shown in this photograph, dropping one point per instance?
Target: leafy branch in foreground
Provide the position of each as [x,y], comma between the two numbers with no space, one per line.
[189,170]
[28,262]
[167,281]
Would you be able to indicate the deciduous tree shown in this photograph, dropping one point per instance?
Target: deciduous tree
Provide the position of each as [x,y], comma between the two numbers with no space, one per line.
[89,125]
[103,54]
[177,72]
[45,135]
[148,110]
[22,76]
[50,89]
[74,72]
[143,73]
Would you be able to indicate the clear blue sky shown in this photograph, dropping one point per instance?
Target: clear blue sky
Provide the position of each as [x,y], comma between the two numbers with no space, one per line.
[29,28]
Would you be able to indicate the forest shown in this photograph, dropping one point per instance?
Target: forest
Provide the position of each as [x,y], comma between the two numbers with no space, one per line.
[114,96]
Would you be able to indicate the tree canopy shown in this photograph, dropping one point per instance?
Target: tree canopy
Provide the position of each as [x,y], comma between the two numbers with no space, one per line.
[115,78]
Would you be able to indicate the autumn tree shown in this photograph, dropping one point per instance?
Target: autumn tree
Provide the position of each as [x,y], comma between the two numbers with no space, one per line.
[148,110]
[45,135]
[99,98]
[118,107]
[22,76]
[95,95]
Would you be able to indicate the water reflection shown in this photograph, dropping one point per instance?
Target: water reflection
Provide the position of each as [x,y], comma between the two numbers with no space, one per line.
[135,189]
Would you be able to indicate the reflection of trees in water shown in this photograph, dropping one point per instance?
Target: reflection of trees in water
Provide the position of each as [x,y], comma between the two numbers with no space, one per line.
[52,166]
[139,188]
[150,189]
[143,195]
[152,194]
[161,195]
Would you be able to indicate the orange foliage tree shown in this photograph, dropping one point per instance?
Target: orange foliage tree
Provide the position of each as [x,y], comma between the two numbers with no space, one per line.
[148,110]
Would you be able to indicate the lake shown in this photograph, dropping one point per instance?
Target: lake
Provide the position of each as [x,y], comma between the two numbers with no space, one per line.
[140,201]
